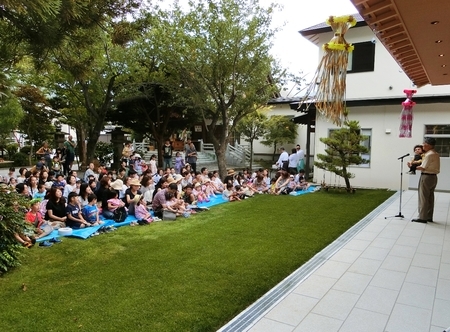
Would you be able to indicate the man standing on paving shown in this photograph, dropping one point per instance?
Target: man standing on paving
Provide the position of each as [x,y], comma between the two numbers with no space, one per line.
[430,168]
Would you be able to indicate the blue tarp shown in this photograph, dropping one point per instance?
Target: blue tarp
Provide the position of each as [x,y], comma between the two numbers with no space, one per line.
[84,233]
[309,190]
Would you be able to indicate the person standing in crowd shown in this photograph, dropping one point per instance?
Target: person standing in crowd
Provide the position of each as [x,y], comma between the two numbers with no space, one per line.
[187,144]
[283,160]
[167,154]
[293,162]
[45,151]
[127,151]
[69,146]
[191,154]
[430,168]
[301,158]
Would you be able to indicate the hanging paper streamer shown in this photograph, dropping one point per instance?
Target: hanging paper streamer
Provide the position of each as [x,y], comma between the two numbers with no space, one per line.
[328,85]
[406,117]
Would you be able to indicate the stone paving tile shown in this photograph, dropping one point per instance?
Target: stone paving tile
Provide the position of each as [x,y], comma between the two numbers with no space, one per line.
[363,320]
[336,304]
[378,299]
[315,323]
[315,286]
[265,325]
[409,318]
[292,309]
[365,266]
[417,295]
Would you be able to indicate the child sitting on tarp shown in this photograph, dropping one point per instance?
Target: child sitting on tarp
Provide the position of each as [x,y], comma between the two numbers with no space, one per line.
[140,210]
[174,205]
[188,195]
[74,219]
[229,194]
[199,194]
[301,181]
[416,160]
[114,202]
[42,227]
[90,211]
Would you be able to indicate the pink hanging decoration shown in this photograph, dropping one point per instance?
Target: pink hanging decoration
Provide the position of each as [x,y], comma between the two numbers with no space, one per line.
[407,114]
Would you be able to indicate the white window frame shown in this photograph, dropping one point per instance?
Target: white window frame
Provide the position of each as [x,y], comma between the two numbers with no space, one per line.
[367,143]
[442,138]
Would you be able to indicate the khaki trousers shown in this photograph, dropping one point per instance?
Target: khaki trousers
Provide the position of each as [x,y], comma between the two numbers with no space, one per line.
[427,184]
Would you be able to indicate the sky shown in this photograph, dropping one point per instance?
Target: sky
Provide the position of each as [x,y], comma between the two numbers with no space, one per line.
[296,53]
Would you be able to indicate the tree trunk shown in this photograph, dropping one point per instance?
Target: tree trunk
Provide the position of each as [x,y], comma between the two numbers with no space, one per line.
[82,149]
[347,180]
[251,155]
[274,151]
[221,162]
[94,134]
[159,147]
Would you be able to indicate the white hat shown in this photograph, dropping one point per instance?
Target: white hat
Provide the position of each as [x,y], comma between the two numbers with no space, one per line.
[117,185]
[137,155]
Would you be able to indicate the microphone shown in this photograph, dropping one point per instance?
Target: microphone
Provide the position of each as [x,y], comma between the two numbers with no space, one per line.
[406,155]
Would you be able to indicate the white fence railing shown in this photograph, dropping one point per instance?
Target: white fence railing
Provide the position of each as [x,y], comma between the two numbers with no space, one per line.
[235,155]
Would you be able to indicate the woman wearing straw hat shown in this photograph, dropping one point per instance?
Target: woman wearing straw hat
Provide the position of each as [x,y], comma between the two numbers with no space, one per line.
[132,191]
[230,177]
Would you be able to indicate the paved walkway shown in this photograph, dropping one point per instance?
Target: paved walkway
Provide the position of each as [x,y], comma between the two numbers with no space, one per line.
[384,274]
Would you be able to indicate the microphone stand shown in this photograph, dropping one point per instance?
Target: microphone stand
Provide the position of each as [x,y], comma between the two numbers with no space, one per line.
[400,215]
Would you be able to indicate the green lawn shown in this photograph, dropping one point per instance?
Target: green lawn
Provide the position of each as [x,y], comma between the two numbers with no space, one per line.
[193,274]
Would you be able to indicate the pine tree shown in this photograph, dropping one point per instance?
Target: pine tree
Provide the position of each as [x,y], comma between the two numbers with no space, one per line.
[343,149]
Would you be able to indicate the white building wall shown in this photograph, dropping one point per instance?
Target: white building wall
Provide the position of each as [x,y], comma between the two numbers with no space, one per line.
[384,170]
[387,81]
[376,84]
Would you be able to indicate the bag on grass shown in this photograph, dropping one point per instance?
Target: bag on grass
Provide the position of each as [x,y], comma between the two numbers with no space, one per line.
[120,214]
[169,215]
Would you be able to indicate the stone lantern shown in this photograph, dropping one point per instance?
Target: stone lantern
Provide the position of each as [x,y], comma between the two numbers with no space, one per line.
[58,135]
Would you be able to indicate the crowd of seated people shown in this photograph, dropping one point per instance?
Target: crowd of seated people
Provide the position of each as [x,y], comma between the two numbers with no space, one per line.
[136,188]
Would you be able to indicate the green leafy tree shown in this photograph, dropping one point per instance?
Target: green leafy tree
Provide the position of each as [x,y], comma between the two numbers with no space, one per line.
[36,122]
[280,130]
[75,45]
[84,76]
[152,112]
[221,59]
[10,115]
[253,126]
[343,149]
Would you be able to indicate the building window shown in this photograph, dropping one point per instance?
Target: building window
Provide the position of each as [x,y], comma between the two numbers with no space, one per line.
[367,143]
[362,58]
[442,135]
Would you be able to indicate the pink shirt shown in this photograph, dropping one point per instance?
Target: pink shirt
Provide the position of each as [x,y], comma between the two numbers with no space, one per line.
[140,211]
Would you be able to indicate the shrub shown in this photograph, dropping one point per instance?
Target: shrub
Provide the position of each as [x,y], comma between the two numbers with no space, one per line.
[12,149]
[104,152]
[20,159]
[26,149]
[12,221]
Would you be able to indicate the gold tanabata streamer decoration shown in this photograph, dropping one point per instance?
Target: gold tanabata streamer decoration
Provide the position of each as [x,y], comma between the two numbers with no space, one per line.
[329,79]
